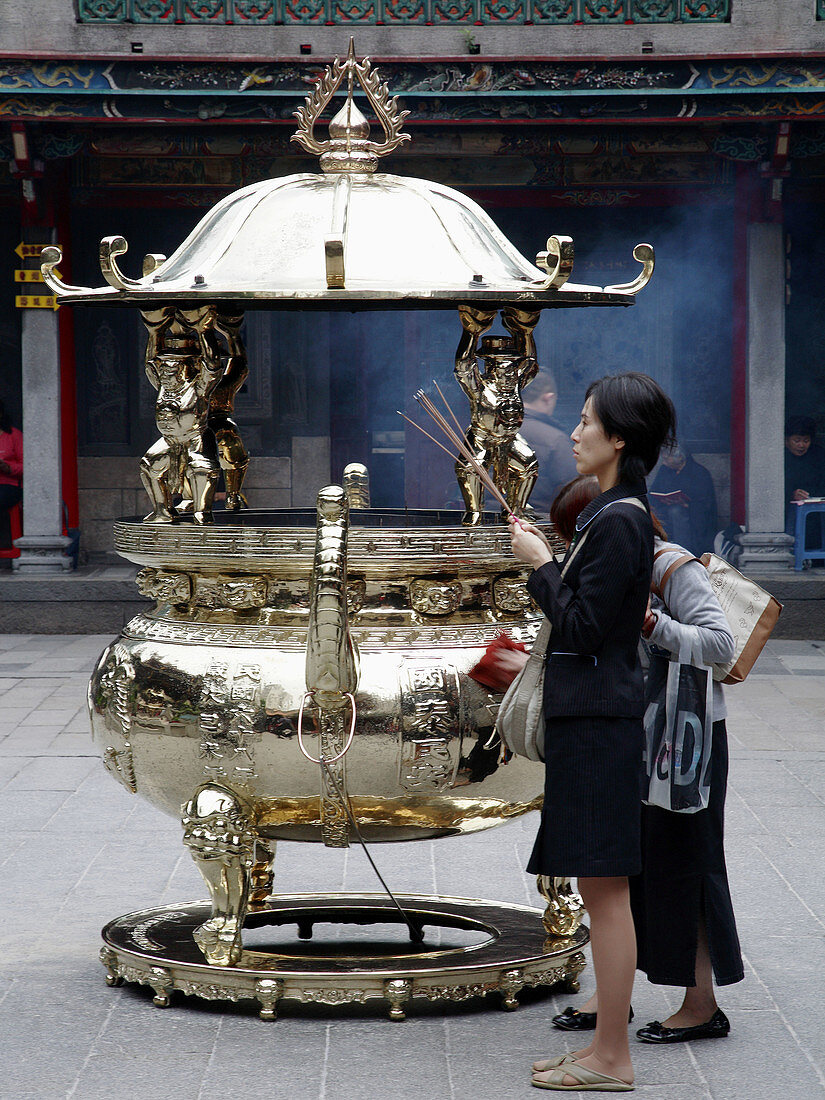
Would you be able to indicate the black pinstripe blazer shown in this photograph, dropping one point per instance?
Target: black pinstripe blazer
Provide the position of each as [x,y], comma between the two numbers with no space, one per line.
[597,611]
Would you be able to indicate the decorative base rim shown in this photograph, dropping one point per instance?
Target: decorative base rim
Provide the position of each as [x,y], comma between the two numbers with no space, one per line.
[155,947]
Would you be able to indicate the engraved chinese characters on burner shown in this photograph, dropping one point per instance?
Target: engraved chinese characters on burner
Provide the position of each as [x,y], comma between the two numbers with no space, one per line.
[114,700]
[227,720]
[430,721]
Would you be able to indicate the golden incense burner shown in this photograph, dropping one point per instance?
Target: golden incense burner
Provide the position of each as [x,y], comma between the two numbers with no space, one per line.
[304,675]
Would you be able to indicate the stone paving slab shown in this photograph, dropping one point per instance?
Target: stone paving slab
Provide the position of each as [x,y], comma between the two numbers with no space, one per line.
[79,850]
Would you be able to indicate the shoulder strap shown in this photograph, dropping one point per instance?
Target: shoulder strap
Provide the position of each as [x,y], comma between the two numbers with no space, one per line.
[575,551]
[681,559]
[622,500]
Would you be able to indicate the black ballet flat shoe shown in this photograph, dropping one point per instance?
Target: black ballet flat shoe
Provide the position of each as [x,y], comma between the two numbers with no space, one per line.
[717,1027]
[573,1020]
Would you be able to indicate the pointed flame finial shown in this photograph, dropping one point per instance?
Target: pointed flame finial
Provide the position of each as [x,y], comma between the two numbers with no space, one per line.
[349,148]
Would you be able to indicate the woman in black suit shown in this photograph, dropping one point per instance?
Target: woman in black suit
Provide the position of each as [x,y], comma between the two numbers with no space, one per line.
[593,702]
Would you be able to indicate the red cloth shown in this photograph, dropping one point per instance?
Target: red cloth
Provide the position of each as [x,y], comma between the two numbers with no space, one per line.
[11,451]
[487,673]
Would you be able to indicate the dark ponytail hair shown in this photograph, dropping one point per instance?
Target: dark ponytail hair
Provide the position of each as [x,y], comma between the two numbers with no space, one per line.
[636,409]
[5,419]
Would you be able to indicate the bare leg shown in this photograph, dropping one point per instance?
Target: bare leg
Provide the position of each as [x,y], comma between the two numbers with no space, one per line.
[699,1003]
[613,943]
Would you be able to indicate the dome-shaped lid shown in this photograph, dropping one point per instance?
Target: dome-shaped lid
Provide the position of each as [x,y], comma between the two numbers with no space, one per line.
[350,236]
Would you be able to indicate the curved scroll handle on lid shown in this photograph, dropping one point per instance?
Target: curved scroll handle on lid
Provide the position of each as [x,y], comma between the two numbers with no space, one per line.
[557,261]
[647,258]
[50,257]
[110,248]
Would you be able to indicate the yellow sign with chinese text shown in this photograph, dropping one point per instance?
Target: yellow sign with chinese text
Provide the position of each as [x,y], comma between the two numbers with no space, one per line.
[36,301]
[29,251]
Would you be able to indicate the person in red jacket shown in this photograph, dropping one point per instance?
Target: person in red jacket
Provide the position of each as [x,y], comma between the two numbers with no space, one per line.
[11,471]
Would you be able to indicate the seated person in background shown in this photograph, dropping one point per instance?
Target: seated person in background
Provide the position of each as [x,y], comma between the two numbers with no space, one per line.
[550,442]
[804,460]
[11,472]
[804,467]
[683,496]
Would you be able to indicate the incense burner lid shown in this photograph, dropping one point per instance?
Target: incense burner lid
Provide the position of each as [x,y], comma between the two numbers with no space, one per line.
[338,240]
[350,236]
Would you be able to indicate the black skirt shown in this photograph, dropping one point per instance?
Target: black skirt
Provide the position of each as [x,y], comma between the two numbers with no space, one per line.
[591,820]
[683,875]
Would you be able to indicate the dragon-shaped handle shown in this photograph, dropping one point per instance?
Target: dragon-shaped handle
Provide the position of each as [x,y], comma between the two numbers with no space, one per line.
[331,665]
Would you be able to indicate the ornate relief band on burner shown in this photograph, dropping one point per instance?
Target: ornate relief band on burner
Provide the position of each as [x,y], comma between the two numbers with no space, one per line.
[430,725]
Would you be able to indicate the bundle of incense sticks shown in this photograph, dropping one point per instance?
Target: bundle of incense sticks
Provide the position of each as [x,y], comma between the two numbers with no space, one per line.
[457,439]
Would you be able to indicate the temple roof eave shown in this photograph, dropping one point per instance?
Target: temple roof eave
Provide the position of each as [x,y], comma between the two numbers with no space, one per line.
[511,90]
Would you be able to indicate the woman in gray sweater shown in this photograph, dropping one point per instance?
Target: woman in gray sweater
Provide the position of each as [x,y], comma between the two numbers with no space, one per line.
[681,903]
[682,910]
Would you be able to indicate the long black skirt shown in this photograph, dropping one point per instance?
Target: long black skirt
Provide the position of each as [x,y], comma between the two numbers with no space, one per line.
[591,820]
[683,877]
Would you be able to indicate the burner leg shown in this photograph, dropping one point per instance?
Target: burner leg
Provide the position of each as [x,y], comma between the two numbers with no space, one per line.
[565,909]
[261,874]
[398,991]
[217,829]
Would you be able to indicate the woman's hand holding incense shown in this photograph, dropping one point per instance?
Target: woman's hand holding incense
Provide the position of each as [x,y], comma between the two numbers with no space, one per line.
[528,543]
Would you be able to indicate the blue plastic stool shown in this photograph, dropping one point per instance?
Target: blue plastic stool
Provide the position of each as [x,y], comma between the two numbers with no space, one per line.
[801,551]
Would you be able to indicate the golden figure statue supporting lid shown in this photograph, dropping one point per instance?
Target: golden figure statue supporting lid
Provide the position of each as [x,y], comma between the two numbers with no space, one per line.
[196,383]
[496,408]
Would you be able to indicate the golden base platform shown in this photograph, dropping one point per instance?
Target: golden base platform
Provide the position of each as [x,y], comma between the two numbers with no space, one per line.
[505,949]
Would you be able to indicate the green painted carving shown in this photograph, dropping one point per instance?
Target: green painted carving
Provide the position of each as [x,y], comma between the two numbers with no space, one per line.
[152,11]
[453,11]
[654,11]
[305,11]
[554,11]
[707,11]
[204,11]
[604,11]
[401,12]
[253,11]
[502,11]
[353,11]
[101,11]
[405,11]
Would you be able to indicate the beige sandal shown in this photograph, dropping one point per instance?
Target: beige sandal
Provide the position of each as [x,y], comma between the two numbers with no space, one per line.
[589,1080]
[553,1063]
